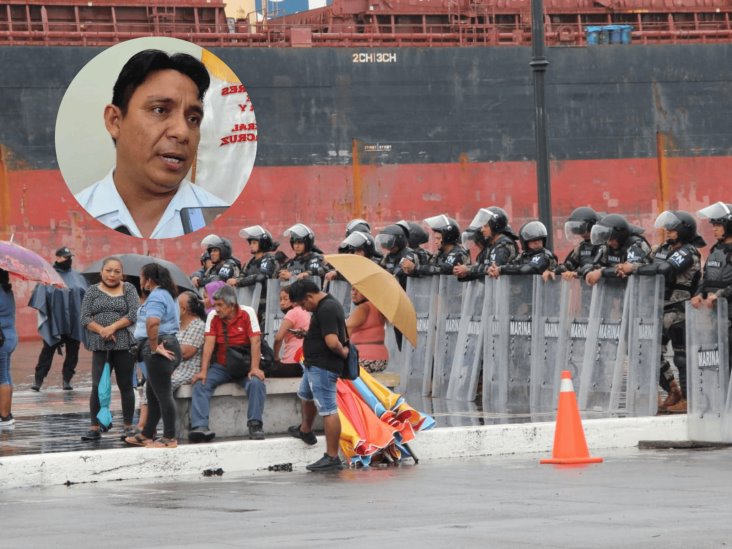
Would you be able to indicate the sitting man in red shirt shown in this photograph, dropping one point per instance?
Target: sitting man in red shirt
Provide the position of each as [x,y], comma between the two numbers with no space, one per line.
[232,325]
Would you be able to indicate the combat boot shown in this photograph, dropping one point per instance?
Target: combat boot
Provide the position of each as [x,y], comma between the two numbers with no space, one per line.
[673,398]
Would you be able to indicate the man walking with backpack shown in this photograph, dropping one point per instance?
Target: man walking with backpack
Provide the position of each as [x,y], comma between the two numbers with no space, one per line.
[324,355]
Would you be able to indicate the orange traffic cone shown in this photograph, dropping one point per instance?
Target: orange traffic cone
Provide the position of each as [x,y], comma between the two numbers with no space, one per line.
[570,446]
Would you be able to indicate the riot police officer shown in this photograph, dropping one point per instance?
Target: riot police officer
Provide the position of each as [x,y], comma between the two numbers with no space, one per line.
[223,265]
[473,237]
[716,282]
[262,264]
[357,243]
[679,261]
[535,258]
[500,240]
[585,254]
[393,240]
[626,249]
[450,252]
[308,259]
[416,236]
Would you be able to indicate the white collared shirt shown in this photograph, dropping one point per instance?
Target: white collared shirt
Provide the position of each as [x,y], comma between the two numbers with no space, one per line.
[103,202]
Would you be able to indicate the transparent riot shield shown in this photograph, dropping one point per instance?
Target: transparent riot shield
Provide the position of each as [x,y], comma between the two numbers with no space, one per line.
[341,290]
[708,371]
[606,347]
[272,315]
[396,355]
[449,308]
[548,327]
[468,355]
[520,334]
[416,376]
[250,295]
[645,326]
[575,314]
[495,346]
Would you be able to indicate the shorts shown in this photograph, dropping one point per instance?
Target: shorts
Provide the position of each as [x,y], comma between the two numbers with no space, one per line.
[319,385]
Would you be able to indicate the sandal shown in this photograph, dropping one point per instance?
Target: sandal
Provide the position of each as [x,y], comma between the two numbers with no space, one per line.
[163,442]
[138,439]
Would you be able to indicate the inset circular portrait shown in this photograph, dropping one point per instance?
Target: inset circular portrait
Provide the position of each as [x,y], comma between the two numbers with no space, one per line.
[156,137]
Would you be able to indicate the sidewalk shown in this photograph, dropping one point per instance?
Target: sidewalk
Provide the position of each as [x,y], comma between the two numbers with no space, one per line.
[44,446]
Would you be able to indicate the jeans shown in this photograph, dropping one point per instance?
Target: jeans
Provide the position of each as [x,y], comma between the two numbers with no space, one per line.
[71,358]
[5,378]
[158,389]
[319,385]
[217,375]
[123,364]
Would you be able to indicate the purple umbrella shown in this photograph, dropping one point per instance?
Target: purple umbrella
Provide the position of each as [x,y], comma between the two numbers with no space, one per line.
[27,264]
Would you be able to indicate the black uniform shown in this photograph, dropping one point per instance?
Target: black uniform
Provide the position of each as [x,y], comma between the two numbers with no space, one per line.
[392,263]
[223,270]
[531,262]
[582,259]
[311,262]
[258,270]
[444,262]
[634,250]
[681,269]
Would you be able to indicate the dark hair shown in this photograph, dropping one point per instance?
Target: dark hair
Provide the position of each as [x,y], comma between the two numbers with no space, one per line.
[113,258]
[5,280]
[300,288]
[161,276]
[144,63]
[195,304]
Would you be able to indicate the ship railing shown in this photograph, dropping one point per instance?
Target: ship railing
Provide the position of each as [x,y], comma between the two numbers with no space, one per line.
[394,35]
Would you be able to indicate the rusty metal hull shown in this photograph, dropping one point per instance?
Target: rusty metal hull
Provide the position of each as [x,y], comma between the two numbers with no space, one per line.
[405,133]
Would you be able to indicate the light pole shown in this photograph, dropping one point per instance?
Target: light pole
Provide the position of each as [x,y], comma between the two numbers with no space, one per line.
[538,66]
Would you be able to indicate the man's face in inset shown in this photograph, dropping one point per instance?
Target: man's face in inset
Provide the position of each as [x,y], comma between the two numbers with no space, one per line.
[158,137]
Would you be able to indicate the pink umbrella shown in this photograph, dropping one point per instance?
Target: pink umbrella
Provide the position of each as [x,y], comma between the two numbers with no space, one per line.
[27,264]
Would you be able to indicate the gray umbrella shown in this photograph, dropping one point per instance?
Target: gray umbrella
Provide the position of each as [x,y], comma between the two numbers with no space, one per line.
[133,263]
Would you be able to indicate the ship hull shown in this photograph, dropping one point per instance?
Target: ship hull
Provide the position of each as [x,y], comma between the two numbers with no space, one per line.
[405,133]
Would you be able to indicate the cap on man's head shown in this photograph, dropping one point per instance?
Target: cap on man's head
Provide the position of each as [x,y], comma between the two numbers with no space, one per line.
[64,252]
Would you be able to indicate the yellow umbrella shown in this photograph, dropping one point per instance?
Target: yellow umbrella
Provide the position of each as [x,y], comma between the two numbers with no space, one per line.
[380,288]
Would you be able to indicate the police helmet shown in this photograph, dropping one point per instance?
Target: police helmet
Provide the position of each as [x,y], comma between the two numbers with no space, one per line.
[613,227]
[446,226]
[358,225]
[533,230]
[261,235]
[679,221]
[580,222]
[719,214]
[496,218]
[417,234]
[223,245]
[356,241]
[301,233]
[392,236]
[473,236]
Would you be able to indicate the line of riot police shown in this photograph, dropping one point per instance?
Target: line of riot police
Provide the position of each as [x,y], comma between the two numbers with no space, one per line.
[607,247]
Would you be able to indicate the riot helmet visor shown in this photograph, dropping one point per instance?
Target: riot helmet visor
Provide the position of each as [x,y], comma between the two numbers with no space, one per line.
[386,241]
[482,218]
[720,211]
[573,229]
[600,234]
[298,232]
[255,232]
[533,230]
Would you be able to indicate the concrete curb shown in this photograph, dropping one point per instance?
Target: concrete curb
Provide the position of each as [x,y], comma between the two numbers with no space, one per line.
[251,456]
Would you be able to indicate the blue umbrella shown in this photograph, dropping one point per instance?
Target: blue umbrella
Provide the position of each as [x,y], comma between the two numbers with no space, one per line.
[105,397]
